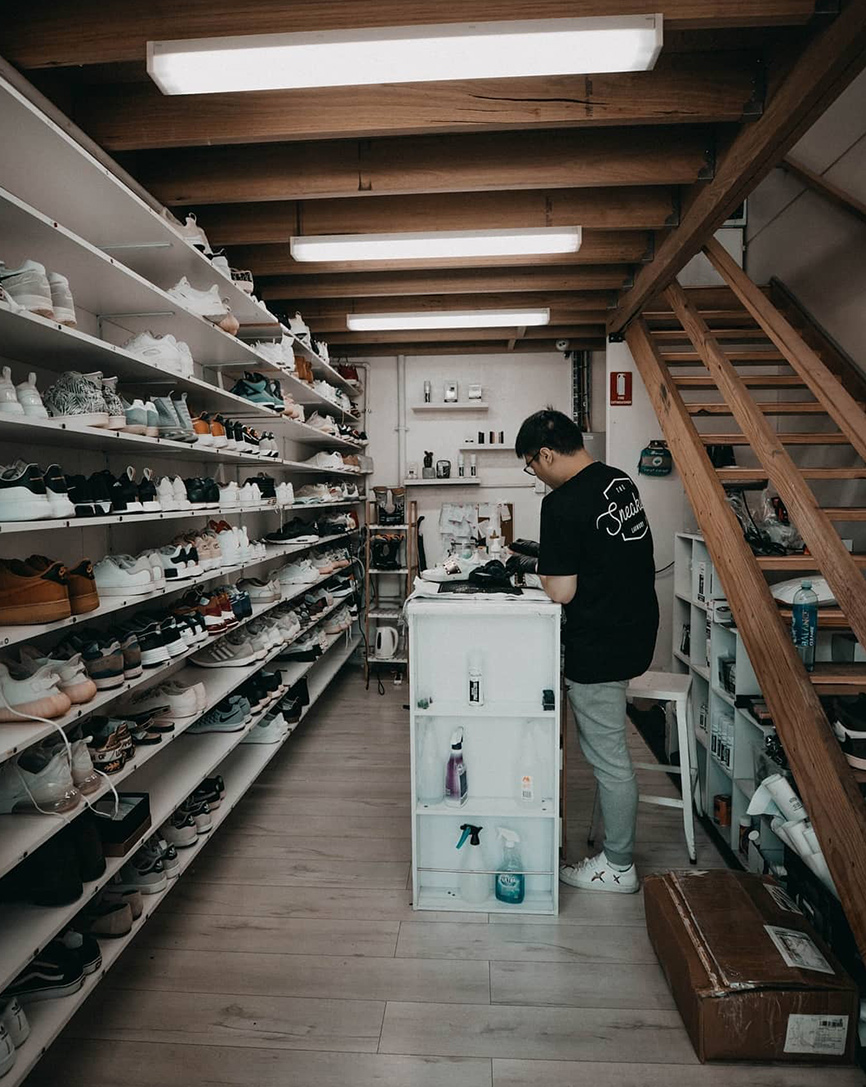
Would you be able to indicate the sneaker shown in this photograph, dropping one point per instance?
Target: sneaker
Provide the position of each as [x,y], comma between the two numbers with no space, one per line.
[180,831]
[83,946]
[272,729]
[257,390]
[228,652]
[145,873]
[116,410]
[29,287]
[228,716]
[596,874]
[171,427]
[206,303]
[38,780]
[27,397]
[193,235]
[298,574]
[23,494]
[72,676]
[199,691]
[200,813]
[29,595]
[455,568]
[294,531]
[102,657]
[160,351]
[54,972]
[14,1021]
[77,398]
[135,417]
[114,577]
[323,423]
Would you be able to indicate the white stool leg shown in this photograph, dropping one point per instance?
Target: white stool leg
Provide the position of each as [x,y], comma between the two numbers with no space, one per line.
[686,779]
[693,759]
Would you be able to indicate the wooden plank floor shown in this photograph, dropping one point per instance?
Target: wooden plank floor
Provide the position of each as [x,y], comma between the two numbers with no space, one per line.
[289,956]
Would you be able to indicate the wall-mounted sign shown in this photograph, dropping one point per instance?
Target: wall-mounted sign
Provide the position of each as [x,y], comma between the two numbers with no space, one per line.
[620,388]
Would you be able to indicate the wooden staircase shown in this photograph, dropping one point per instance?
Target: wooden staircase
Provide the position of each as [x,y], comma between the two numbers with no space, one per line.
[698,352]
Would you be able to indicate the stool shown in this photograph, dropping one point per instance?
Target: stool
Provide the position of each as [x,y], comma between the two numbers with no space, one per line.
[669,687]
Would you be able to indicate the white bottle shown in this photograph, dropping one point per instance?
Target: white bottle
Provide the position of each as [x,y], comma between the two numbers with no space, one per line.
[475,693]
[528,768]
[431,785]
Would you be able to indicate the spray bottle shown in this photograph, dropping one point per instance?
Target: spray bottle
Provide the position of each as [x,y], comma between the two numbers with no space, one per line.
[473,884]
[510,881]
[455,772]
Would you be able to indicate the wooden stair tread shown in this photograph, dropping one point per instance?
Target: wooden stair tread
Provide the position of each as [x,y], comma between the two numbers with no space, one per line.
[750,334]
[770,407]
[845,513]
[752,381]
[838,677]
[754,356]
[828,618]
[799,562]
[752,475]
[804,438]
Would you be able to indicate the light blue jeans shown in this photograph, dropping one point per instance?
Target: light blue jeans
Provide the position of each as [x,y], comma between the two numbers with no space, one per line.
[599,710]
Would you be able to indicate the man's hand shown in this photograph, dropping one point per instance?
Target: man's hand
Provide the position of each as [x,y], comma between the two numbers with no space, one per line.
[521,564]
[524,547]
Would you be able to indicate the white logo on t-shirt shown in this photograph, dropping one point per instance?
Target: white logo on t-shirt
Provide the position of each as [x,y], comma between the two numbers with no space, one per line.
[624,515]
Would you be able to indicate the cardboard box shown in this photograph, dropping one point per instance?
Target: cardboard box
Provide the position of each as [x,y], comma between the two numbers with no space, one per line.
[749,975]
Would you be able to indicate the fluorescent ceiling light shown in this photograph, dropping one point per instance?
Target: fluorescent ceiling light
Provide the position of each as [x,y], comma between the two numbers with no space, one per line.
[437,243]
[406,54]
[459,318]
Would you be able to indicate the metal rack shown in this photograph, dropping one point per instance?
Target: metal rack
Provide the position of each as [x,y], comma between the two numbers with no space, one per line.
[384,602]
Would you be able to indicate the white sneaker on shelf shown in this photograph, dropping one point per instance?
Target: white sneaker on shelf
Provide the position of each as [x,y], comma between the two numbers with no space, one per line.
[28,397]
[230,652]
[9,402]
[114,578]
[285,494]
[187,365]
[229,494]
[326,460]
[193,235]
[29,287]
[38,781]
[37,694]
[165,494]
[72,676]
[175,687]
[61,300]
[161,351]
[23,494]
[178,488]
[206,303]
[7,302]
[596,874]
[14,1020]
[324,423]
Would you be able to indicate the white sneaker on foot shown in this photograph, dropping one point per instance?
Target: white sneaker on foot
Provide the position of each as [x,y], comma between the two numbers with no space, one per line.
[597,874]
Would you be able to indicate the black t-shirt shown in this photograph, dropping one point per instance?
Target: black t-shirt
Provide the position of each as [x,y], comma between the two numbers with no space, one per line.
[594,526]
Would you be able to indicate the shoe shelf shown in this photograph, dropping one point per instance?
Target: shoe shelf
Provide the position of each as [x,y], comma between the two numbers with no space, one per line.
[240,768]
[25,832]
[13,635]
[501,807]
[302,468]
[33,340]
[454,405]
[117,296]
[301,392]
[309,435]
[26,929]
[387,660]
[14,738]
[458,481]
[45,162]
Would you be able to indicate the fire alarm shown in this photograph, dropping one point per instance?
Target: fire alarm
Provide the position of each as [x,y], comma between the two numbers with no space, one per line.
[620,388]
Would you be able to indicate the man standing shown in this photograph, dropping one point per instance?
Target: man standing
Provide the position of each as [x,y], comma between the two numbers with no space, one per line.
[596,558]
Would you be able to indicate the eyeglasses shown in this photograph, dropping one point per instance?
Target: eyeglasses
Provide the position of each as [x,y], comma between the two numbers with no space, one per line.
[530,471]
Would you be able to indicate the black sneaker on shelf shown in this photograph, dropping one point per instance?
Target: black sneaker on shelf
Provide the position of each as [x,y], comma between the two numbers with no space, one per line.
[86,840]
[197,492]
[300,692]
[147,495]
[122,491]
[293,530]
[50,876]
[212,493]
[251,440]
[266,484]
[55,972]
[210,793]
[83,947]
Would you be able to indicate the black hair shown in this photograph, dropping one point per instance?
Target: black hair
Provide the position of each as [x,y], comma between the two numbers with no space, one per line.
[548,429]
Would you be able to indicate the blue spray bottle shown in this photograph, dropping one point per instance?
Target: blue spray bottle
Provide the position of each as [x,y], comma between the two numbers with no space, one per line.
[510,881]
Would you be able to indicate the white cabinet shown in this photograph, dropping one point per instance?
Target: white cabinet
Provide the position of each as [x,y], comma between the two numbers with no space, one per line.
[511,748]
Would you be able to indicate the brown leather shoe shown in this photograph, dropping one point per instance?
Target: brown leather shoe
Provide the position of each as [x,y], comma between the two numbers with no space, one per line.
[80,581]
[33,596]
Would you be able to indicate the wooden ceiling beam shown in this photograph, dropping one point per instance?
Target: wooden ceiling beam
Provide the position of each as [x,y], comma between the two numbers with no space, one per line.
[822,71]
[562,301]
[639,208]
[379,285]
[682,89]
[598,247]
[329,169]
[80,32]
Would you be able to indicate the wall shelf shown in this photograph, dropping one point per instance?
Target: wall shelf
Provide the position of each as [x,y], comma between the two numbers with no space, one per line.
[460,405]
[465,481]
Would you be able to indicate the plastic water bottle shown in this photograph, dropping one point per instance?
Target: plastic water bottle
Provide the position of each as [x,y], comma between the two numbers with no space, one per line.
[804,624]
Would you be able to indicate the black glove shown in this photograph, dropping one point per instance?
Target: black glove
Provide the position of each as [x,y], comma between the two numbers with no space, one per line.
[521,564]
[524,547]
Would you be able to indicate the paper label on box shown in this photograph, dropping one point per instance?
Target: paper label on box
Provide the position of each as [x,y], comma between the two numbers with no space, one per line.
[782,899]
[798,949]
[820,1035]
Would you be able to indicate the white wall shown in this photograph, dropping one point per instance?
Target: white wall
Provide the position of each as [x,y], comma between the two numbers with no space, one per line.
[514,385]
[816,249]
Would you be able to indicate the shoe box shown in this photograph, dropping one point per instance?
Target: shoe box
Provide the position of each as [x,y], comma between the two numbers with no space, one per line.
[123,822]
[751,978]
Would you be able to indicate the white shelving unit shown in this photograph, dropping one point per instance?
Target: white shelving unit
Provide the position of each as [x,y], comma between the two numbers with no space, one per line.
[729,738]
[61,207]
[459,481]
[519,661]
